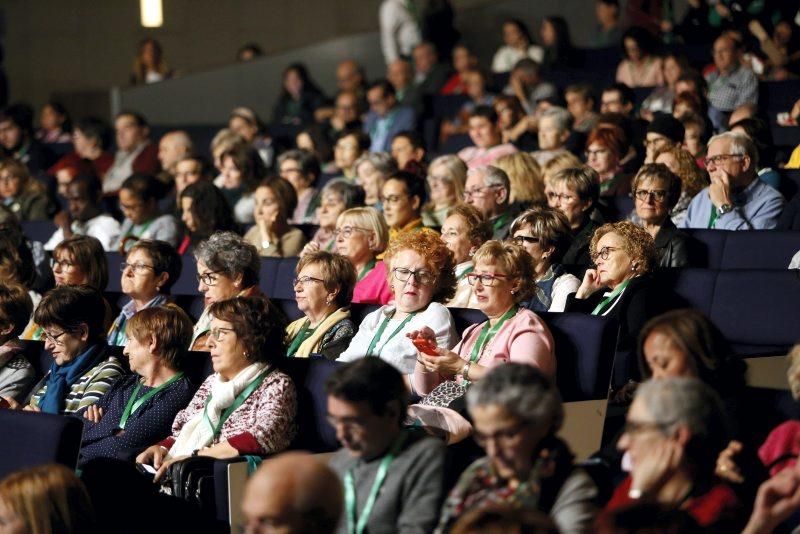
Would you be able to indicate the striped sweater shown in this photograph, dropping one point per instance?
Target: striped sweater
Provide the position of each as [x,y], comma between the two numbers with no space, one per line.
[89,387]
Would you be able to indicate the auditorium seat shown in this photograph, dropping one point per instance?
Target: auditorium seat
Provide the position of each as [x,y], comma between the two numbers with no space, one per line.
[760,249]
[790,179]
[454,143]
[187,281]
[695,286]
[38,230]
[280,283]
[706,247]
[777,96]
[39,358]
[28,439]
[267,275]
[114,274]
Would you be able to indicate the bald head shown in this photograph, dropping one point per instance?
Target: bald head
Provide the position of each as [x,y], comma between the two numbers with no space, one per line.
[349,76]
[293,492]
[173,147]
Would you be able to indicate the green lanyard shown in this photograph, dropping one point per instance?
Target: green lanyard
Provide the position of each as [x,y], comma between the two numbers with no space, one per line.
[367,268]
[357,526]
[488,332]
[134,404]
[712,220]
[238,401]
[465,273]
[500,221]
[609,299]
[304,333]
[379,333]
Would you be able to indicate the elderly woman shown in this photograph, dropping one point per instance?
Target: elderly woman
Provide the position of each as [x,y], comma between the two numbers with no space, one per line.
[421,278]
[337,196]
[674,431]
[544,234]
[82,370]
[518,409]
[247,406]
[26,197]
[362,234]
[605,148]
[446,178]
[203,211]
[16,373]
[693,179]
[372,170]
[323,290]
[656,190]
[576,192]
[464,231]
[138,200]
[227,267]
[563,161]
[150,269]
[502,278]
[275,201]
[525,175]
[139,409]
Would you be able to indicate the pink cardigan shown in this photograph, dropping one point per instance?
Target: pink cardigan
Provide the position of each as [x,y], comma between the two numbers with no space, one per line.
[524,338]
[373,288]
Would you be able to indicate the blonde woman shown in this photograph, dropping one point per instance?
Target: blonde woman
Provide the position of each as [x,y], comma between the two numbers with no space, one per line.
[446,177]
[525,175]
[565,160]
[361,235]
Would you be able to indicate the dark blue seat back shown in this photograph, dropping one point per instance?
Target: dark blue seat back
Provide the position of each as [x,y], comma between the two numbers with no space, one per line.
[454,143]
[289,307]
[39,358]
[790,178]
[268,274]
[28,439]
[187,281]
[115,259]
[760,249]
[38,230]
[314,434]
[282,286]
[466,317]
[694,286]
[706,247]
[359,311]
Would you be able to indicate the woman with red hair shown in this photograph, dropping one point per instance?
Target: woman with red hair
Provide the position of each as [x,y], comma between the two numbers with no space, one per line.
[605,148]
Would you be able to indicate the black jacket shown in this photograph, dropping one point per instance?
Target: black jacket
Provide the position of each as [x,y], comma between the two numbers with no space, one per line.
[672,246]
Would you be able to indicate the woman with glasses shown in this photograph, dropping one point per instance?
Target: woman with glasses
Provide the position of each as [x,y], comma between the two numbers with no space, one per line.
[138,200]
[464,231]
[605,148]
[24,195]
[372,171]
[150,269]
[575,194]
[502,279]
[446,178]
[323,290]
[247,406]
[227,267]
[421,278]
[545,236]
[517,410]
[656,190]
[275,201]
[361,235]
[337,196]
[82,371]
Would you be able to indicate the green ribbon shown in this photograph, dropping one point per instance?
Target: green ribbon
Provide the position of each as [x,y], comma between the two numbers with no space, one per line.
[134,404]
[238,401]
[304,333]
[609,299]
[488,332]
[379,333]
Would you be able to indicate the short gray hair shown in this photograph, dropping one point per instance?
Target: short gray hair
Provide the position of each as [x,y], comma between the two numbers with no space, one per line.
[741,145]
[351,194]
[230,254]
[382,161]
[493,176]
[560,116]
[523,391]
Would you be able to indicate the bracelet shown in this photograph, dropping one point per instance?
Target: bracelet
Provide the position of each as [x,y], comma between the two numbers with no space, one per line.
[465,370]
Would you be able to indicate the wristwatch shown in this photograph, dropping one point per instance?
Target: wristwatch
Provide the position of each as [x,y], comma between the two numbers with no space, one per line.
[725,208]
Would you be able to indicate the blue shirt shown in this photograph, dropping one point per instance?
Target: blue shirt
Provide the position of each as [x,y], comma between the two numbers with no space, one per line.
[757,207]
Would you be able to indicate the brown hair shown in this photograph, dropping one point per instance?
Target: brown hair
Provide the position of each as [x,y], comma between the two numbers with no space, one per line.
[16,262]
[693,178]
[513,260]
[258,323]
[69,307]
[637,243]
[337,273]
[480,230]
[88,255]
[550,225]
[172,329]
[284,193]
[659,171]
[438,258]
[525,176]
[164,257]
[17,169]
[16,308]
[610,136]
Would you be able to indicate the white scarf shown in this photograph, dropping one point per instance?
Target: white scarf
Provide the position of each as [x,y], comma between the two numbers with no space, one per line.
[196,433]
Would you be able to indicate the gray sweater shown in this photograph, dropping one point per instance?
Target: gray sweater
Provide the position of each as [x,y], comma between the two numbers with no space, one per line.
[411,496]
[16,376]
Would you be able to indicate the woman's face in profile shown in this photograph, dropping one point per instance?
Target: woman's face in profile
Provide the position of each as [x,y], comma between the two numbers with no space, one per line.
[665,358]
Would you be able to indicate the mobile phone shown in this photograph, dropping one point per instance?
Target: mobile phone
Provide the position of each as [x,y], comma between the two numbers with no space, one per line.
[147,470]
[424,345]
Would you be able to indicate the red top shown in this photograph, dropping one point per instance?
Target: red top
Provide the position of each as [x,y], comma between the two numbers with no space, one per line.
[147,160]
[454,86]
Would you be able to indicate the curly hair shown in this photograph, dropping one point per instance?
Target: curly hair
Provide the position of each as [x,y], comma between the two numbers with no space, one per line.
[659,171]
[636,243]
[693,178]
[437,256]
[259,325]
[229,253]
[513,261]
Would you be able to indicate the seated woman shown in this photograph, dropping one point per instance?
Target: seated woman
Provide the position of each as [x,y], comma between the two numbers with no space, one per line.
[139,409]
[641,67]
[82,370]
[149,271]
[656,190]
[527,467]
[245,126]
[247,406]
[24,195]
[518,44]
[138,200]
[55,125]
[227,267]
[446,178]
[693,179]
[514,123]
[372,170]
[362,234]
[275,201]
[301,169]
[525,176]
[39,276]
[464,231]
[350,145]
[421,278]
[337,196]
[575,192]
[545,236]
[299,97]
[502,279]
[242,169]
[16,373]
[204,211]
[563,161]
[674,432]
[323,290]
[605,148]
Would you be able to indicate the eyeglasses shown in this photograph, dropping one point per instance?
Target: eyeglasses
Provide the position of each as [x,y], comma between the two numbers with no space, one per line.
[655,142]
[503,436]
[305,280]
[347,231]
[487,280]
[422,277]
[284,172]
[523,239]
[53,338]
[719,158]
[63,264]
[478,191]
[137,268]
[603,253]
[562,196]
[208,278]
[637,427]
[392,199]
[658,194]
[590,153]
[219,333]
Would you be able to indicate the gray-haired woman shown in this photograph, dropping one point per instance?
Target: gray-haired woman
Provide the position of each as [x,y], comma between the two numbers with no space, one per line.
[227,267]
[516,412]
[372,170]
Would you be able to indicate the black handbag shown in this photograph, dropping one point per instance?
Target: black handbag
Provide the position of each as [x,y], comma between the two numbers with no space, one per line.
[192,479]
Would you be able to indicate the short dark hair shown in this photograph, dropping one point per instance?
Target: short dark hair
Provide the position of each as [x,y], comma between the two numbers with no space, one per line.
[210,210]
[88,254]
[144,186]
[172,329]
[91,183]
[486,112]
[370,380]
[259,325]
[21,115]
[308,163]
[248,162]
[413,137]
[69,307]
[626,94]
[363,139]
[164,257]
[284,192]
[415,185]
[383,83]
[137,117]
[95,129]
[16,307]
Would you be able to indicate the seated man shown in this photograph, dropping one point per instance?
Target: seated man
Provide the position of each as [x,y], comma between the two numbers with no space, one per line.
[346,115]
[386,118]
[403,195]
[400,74]
[404,468]
[554,130]
[736,198]
[580,103]
[731,84]
[85,215]
[487,136]
[173,147]
[135,152]
[487,188]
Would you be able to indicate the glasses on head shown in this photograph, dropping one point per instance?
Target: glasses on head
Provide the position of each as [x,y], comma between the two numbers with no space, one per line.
[392,199]
[522,240]
[54,339]
[478,191]
[63,264]
[220,332]
[719,158]
[486,280]
[561,196]
[637,427]
[503,436]
[599,151]
[421,276]
[305,280]
[208,278]
[137,268]
[603,253]
[347,231]
[644,194]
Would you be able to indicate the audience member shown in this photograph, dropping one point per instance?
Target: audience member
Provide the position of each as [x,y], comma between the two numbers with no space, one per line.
[386,118]
[189,170]
[23,194]
[484,131]
[138,200]
[488,188]
[662,98]
[693,179]
[464,231]
[361,235]
[513,123]
[559,53]
[314,140]
[580,104]
[527,85]
[149,65]
[302,170]
[249,52]
[555,124]
[606,146]
[576,191]
[517,44]
[400,29]
[731,84]
[350,145]
[80,260]
[203,211]
[446,178]
[563,161]
[429,76]
[408,150]
[91,138]
[400,73]
[346,115]
[242,170]
[135,153]
[272,235]
[525,178]
[663,132]
[248,126]
[402,197]
[299,97]
[85,215]
[173,147]
[17,140]
[641,67]
[608,32]
[372,171]
[55,125]
[464,59]
[16,373]
[337,196]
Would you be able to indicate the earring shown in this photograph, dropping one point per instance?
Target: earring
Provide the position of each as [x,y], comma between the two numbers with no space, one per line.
[513,291]
[391,287]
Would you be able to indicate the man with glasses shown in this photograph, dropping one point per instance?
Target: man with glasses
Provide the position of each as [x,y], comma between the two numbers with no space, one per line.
[386,118]
[731,84]
[402,198]
[487,189]
[487,136]
[392,476]
[736,198]
[85,215]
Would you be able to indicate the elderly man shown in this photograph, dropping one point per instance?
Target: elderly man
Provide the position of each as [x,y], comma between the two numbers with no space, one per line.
[393,476]
[292,493]
[135,152]
[173,147]
[731,84]
[554,130]
[736,198]
[386,118]
[487,189]
[85,215]
[487,137]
